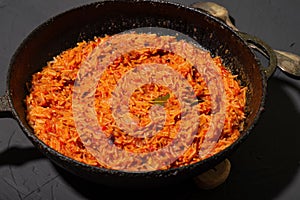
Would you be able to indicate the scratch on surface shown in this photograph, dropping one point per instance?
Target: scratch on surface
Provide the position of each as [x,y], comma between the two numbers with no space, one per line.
[10,169]
[34,170]
[10,138]
[41,186]
[52,192]
[12,185]
[292,44]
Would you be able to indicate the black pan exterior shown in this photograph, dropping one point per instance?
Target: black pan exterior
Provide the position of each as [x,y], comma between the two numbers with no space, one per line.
[111,17]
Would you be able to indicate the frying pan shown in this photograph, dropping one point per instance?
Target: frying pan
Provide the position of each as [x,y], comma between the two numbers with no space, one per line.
[111,17]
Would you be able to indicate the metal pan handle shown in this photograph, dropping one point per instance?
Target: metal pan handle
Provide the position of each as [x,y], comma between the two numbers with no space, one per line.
[265,49]
[5,108]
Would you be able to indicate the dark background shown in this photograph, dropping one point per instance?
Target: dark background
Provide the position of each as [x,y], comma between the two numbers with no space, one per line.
[266,166]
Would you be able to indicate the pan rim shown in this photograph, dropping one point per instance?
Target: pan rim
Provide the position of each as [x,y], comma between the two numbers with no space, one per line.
[157,173]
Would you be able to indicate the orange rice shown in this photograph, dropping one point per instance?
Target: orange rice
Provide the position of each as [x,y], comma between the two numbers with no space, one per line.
[49,104]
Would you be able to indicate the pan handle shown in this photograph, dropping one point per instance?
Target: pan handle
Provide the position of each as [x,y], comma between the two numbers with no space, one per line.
[262,47]
[5,108]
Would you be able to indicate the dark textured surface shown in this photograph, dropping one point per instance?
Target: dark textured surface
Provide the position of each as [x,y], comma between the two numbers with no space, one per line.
[264,167]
